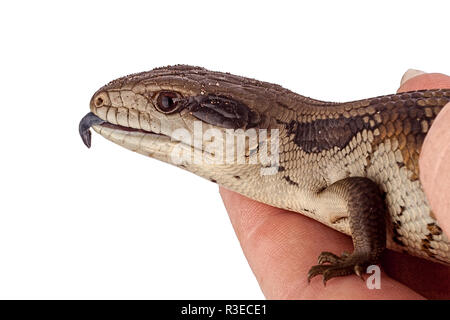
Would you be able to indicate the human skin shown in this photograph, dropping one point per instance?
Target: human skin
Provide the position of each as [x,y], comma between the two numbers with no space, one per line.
[281,246]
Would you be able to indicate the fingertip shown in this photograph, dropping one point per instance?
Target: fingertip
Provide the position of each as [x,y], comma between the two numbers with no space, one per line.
[409,74]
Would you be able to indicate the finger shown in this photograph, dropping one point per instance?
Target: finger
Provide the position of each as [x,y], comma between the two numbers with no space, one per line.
[281,246]
[434,162]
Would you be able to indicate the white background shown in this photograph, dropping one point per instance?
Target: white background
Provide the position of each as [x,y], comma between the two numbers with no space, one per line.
[109,223]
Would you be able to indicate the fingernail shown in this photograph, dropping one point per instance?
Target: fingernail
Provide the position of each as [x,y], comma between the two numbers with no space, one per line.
[409,74]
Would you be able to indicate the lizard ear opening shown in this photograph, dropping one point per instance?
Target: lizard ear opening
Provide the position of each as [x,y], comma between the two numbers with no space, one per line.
[221,111]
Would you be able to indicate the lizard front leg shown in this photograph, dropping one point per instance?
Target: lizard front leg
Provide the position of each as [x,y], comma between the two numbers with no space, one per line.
[366,212]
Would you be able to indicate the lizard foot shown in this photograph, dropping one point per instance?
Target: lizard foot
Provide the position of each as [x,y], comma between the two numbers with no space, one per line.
[331,266]
[367,212]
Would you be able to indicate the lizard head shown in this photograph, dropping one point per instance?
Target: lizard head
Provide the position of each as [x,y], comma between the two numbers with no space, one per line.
[151,112]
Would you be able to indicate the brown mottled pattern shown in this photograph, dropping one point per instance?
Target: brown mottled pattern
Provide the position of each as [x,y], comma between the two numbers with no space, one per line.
[404,118]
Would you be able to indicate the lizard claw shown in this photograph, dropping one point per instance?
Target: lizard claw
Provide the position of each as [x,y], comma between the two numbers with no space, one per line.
[331,266]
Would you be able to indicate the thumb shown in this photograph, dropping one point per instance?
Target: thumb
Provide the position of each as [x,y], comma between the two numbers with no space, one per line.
[434,164]
[435,154]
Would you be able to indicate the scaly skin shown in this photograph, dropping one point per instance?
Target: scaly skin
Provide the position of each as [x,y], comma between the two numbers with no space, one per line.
[338,161]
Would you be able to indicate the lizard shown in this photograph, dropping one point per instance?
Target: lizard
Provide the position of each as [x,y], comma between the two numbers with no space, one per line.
[352,166]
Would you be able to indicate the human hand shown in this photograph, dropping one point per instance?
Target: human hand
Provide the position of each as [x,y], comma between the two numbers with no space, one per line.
[281,246]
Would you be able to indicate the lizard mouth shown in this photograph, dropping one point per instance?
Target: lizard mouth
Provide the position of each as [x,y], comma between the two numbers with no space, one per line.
[92,119]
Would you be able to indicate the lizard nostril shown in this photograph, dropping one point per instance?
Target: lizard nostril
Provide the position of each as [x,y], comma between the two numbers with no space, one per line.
[99,100]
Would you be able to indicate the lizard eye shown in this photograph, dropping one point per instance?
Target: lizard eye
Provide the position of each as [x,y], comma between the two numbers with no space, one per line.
[167,101]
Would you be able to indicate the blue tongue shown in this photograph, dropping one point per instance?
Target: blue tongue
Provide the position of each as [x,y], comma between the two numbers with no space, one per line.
[85,124]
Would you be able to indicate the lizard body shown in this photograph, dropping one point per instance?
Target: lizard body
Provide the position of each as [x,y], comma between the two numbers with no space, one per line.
[352,166]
